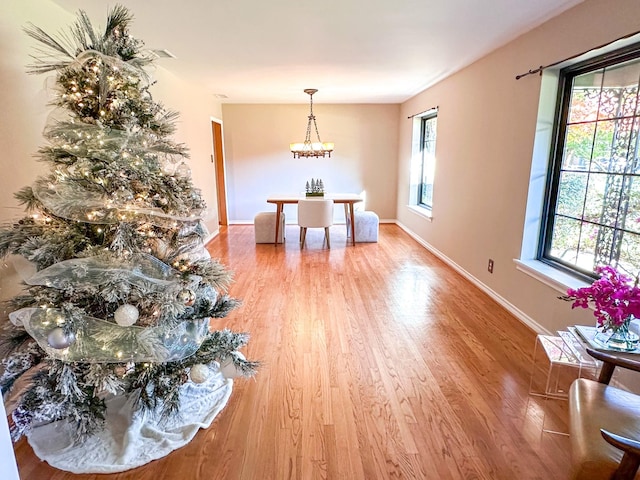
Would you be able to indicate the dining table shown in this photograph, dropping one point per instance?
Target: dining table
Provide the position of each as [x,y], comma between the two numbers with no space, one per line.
[347,199]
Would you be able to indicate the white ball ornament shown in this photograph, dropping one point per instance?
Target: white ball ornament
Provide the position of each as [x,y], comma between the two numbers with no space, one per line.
[59,340]
[167,167]
[183,170]
[199,373]
[186,296]
[129,367]
[126,315]
[160,247]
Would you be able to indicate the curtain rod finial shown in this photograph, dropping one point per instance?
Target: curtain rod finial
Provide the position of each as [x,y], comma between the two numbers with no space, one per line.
[531,72]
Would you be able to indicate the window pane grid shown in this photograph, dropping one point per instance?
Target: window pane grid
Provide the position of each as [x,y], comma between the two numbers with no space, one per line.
[600,120]
[595,224]
[594,209]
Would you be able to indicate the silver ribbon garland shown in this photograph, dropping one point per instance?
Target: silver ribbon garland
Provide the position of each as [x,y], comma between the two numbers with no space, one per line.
[99,341]
[138,269]
[72,202]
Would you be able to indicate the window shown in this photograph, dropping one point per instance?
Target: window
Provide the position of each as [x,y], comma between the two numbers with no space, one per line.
[592,210]
[428,159]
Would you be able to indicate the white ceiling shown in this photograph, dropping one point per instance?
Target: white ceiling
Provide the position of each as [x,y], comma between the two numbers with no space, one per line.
[352,51]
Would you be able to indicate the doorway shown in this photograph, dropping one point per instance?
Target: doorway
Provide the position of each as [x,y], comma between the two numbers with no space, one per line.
[218,159]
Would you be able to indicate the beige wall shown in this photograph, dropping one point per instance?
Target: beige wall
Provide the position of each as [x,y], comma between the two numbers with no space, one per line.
[486,130]
[259,162]
[197,108]
[24,110]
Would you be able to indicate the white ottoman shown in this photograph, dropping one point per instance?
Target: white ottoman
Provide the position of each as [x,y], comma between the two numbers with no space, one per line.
[366,226]
[264,225]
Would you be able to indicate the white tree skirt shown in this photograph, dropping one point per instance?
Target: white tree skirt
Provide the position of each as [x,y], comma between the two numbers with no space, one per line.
[130,439]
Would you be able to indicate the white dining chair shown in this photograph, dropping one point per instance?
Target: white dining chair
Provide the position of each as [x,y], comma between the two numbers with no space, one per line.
[315,213]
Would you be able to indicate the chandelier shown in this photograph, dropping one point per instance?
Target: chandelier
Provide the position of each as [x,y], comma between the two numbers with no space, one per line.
[309,148]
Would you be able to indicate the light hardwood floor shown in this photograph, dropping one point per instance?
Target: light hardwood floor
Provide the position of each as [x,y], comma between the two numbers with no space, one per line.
[379,362]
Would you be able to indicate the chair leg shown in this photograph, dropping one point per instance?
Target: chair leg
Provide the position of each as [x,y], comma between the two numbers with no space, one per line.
[326,235]
[303,236]
[628,467]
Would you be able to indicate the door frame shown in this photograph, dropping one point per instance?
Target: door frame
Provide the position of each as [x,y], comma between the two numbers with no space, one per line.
[217,158]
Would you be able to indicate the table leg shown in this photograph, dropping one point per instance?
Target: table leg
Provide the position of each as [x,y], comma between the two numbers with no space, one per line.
[347,219]
[353,225]
[279,208]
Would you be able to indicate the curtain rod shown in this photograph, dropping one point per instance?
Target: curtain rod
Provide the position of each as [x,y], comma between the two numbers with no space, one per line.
[543,67]
[422,113]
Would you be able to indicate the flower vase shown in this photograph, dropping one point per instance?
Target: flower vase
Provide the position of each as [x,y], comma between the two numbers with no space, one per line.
[622,338]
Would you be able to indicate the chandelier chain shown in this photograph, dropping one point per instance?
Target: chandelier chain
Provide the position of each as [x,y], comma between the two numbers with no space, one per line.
[312,118]
[309,148]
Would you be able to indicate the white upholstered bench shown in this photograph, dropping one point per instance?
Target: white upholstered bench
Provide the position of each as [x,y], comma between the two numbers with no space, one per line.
[264,225]
[367,224]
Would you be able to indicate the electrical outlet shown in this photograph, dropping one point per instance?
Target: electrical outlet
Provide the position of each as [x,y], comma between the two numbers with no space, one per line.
[490,266]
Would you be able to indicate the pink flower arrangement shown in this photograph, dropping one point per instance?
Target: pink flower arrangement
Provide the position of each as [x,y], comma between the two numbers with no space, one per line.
[615,297]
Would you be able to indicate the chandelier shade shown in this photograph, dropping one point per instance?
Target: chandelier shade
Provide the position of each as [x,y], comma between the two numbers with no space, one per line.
[309,148]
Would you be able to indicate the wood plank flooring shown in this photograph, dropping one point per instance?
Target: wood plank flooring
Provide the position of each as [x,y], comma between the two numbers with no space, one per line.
[379,362]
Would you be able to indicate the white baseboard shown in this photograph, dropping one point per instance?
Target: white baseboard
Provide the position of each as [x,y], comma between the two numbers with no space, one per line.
[211,235]
[515,311]
[250,222]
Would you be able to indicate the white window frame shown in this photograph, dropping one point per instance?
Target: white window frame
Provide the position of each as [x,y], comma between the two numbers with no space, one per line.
[417,161]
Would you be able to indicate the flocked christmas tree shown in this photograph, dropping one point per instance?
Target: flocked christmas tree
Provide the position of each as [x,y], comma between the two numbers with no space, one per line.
[123,291]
